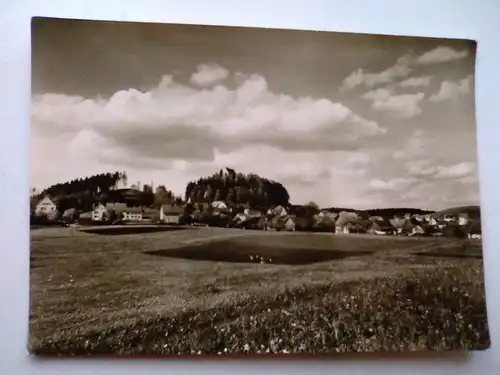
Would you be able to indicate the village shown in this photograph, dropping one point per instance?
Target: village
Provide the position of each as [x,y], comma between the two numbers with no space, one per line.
[458,222]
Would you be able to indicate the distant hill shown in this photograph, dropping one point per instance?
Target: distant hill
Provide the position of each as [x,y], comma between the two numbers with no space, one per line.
[473,212]
[384,212]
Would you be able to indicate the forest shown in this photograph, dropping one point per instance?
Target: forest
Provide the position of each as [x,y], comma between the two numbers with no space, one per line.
[237,189]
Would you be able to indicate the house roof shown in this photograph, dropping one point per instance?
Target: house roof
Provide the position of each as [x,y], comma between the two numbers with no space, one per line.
[169,209]
[54,200]
[134,210]
[117,207]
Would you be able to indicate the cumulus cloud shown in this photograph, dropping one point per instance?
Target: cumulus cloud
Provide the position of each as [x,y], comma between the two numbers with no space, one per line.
[390,185]
[402,69]
[402,106]
[452,90]
[463,170]
[177,121]
[207,75]
[441,55]
[398,70]
[416,81]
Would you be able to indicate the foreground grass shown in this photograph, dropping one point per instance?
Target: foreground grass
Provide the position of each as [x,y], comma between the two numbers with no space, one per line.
[409,311]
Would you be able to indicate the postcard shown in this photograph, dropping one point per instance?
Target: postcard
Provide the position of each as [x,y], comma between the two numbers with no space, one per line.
[209,190]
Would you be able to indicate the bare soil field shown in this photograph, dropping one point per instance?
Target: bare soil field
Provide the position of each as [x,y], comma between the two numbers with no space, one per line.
[223,291]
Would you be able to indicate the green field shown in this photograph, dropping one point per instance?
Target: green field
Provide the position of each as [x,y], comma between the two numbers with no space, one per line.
[133,293]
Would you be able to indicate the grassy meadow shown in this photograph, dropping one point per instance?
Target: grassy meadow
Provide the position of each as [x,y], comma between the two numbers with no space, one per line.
[201,291]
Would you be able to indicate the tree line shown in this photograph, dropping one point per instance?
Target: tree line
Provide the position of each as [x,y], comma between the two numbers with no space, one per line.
[236,189]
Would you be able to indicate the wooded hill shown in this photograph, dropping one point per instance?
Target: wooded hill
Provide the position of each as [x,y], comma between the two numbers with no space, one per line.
[82,193]
[237,189]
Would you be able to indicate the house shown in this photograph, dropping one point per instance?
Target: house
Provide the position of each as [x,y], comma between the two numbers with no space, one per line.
[219,204]
[99,213]
[417,230]
[398,225]
[290,225]
[170,214]
[280,211]
[132,214]
[344,229]
[463,219]
[46,207]
[448,218]
[475,230]
[151,214]
[432,221]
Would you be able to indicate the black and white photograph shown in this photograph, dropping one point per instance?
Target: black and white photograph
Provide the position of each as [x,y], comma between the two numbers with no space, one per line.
[214,190]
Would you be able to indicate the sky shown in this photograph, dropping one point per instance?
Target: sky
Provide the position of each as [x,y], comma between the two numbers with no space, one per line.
[349,120]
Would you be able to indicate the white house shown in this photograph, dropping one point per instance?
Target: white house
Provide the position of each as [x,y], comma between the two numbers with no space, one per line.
[99,212]
[46,207]
[170,214]
[290,225]
[219,204]
[432,221]
[416,230]
[342,229]
[463,220]
[132,214]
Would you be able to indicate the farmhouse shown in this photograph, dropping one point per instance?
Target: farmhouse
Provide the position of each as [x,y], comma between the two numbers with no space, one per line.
[132,214]
[121,210]
[219,204]
[99,212]
[46,207]
[170,214]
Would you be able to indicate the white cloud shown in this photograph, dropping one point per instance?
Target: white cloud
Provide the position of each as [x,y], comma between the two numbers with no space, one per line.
[402,69]
[377,95]
[176,133]
[441,55]
[416,81]
[463,170]
[176,121]
[452,90]
[207,75]
[390,185]
[402,106]
[399,70]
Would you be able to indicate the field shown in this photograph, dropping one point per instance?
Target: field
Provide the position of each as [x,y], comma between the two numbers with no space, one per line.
[223,291]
